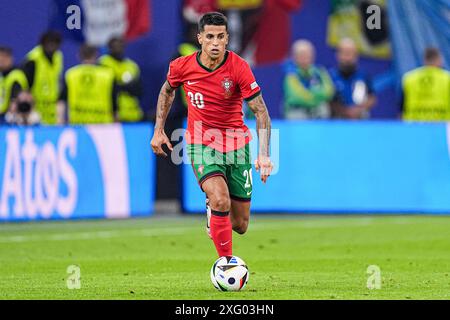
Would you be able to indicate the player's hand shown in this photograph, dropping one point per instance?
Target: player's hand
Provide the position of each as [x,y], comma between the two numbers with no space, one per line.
[264,164]
[159,139]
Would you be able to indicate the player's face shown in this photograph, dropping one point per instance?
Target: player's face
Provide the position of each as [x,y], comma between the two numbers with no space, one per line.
[117,48]
[304,58]
[51,47]
[6,61]
[439,62]
[347,55]
[214,40]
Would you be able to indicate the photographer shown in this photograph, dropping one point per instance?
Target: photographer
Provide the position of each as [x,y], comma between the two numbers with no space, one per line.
[22,111]
[12,81]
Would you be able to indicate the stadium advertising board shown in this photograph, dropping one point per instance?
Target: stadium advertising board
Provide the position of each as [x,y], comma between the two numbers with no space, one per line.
[75,172]
[349,167]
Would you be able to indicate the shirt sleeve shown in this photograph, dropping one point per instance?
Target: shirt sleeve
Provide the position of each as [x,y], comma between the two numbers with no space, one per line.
[174,74]
[134,87]
[63,94]
[247,83]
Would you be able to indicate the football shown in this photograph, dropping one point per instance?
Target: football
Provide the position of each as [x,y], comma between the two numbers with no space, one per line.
[229,273]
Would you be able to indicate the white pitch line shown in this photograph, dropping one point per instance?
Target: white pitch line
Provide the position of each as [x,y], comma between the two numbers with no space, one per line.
[149,232]
[306,224]
[93,235]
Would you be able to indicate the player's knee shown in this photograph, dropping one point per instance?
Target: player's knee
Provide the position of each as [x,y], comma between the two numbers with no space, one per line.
[241,226]
[220,203]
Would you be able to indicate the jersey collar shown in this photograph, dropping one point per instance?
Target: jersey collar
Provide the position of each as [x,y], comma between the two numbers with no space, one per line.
[208,69]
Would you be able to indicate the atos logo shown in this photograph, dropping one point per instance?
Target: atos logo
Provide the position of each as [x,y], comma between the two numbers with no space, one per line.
[33,174]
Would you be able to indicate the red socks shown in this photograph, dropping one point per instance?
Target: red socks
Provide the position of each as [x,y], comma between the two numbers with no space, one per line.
[221,232]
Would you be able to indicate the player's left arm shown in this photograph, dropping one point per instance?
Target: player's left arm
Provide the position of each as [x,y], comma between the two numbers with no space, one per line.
[263,127]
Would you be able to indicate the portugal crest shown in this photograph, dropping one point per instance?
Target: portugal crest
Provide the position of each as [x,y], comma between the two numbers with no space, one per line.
[227,85]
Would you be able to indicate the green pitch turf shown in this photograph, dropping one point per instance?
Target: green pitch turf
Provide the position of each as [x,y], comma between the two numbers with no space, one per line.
[290,257]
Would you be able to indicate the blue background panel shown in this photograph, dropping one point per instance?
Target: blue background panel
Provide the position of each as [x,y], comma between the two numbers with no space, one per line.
[76,172]
[350,167]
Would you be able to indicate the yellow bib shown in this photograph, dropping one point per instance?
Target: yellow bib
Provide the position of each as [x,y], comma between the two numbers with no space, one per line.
[45,88]
[124,71]
[89,94]
[426,94]
[6,86]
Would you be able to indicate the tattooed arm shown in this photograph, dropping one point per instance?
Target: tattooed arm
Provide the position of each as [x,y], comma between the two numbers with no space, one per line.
[263,127]
[165,100]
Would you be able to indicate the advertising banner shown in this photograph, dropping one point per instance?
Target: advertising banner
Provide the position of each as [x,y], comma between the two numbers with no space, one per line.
[349,167]
[76,172]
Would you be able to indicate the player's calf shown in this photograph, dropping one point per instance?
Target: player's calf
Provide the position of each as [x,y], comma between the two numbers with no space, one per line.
[240,215]
[240,225]
[221,232]
[216,191]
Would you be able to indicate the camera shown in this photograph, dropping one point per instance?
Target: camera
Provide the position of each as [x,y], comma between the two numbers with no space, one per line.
[24,107]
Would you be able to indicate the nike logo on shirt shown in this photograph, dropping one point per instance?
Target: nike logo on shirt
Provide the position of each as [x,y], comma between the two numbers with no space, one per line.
[192,83]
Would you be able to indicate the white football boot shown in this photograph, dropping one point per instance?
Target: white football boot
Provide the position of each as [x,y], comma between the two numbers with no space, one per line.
[208,219]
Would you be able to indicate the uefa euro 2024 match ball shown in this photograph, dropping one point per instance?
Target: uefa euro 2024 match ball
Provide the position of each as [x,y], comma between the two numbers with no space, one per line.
[229,273]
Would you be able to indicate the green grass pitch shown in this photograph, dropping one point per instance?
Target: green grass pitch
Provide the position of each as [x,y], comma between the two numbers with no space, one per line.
[290,257]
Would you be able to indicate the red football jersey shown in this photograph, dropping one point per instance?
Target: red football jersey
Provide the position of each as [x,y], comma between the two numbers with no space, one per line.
[215,97]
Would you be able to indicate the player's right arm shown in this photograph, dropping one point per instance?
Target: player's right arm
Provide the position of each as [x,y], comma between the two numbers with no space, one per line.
[165,100]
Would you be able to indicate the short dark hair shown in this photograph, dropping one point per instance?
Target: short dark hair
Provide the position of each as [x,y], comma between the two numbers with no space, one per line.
[88,52]
[51,36]
[212,19]
[115,39]
[6,50]
[431,54]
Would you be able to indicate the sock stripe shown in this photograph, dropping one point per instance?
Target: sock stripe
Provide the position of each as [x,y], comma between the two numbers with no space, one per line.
[220,213]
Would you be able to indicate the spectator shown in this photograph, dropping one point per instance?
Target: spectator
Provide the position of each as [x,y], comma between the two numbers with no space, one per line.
[12,81]
[43,67]
[426,90]
[307,87]
[127,76]
[354,97]
[89,95]
[22,111]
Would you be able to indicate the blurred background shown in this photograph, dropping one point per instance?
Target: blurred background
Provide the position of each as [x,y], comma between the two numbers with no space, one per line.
[359,92]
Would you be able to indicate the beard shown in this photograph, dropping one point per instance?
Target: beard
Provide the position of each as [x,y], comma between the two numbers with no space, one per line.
[347,69]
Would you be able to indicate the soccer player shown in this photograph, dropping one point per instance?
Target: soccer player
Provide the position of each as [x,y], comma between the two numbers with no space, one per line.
[216,82]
